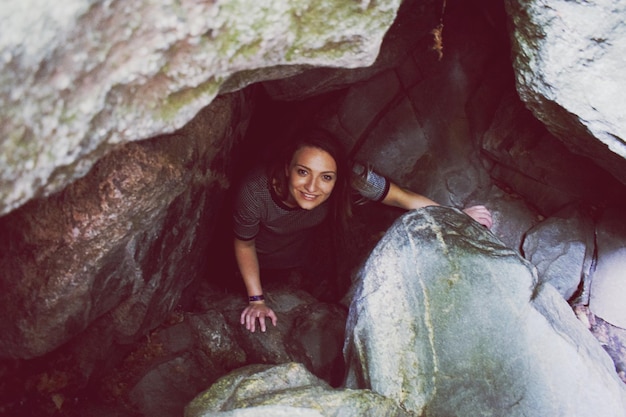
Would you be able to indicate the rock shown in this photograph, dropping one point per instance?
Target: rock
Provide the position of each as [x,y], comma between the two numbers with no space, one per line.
[449,322]
[290,390]
[191,355]
[410,121]
[122,243]
[612,338]
[81,79]
[562,247]
[411,29]
[608,282]
[186,354]
[512,217]
[568,60]
[538,166]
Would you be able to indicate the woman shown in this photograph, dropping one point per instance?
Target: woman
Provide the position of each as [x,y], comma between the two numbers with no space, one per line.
[276,211]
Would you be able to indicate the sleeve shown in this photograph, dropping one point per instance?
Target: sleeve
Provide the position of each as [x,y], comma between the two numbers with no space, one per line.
[246,213]
[369,184]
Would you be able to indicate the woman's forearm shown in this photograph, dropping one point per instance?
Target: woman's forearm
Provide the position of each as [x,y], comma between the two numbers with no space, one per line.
[400,197]
[256,310]
[248,263]
[408,200]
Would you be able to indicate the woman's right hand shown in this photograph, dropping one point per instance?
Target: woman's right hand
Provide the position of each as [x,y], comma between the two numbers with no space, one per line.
[256,311]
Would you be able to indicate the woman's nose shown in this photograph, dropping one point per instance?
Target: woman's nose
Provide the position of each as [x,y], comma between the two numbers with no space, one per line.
[310,184]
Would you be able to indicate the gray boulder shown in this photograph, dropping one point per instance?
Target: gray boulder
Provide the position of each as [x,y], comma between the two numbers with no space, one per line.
[608,283]
[449,322]
[569,60]
[561,247]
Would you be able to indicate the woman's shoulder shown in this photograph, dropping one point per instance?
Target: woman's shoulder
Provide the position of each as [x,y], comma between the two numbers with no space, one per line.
[255,178]
[253,188]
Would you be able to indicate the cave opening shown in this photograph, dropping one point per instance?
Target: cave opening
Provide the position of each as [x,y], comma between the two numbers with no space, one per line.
[465,95]
[280,108]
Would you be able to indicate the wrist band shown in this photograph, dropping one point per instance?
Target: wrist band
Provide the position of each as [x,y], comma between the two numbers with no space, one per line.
[256,298]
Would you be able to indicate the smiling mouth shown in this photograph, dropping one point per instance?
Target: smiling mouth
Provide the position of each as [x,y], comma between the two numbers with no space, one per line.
[307,196]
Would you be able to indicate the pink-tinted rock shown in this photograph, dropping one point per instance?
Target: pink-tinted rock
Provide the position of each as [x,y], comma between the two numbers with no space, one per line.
[124,241]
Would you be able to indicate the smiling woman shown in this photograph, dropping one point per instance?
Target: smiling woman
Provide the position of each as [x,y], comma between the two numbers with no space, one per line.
[276,210]
[311,175]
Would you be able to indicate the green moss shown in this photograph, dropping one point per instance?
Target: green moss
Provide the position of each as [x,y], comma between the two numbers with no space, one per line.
[320,19]
[19,146]
[249,50]
[178,100]
[241,37]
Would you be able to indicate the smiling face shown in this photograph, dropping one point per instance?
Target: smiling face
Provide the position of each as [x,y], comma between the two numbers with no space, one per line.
[311,175]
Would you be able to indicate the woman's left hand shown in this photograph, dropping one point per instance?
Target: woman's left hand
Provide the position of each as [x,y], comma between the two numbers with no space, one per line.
[480,214]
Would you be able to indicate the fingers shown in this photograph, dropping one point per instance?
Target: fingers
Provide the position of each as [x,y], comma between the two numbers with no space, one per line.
[481,214]
[484,218]
[272,316]
[259,312]
[251,322]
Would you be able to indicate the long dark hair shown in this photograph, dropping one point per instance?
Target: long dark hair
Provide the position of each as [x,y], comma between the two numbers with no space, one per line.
[340,198]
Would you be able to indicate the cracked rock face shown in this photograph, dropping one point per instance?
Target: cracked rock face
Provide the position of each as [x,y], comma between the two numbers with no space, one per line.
[77,80]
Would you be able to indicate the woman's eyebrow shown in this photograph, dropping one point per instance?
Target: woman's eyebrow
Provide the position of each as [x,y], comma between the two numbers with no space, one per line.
[323,172]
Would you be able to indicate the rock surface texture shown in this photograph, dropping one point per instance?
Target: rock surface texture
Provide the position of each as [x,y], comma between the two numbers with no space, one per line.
[608,286]
[190,351]
[569,58]
[449,322]
[113,246]
[77,80]
[288,390]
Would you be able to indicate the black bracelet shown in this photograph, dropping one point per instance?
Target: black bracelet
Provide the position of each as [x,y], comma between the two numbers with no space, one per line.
[256,298]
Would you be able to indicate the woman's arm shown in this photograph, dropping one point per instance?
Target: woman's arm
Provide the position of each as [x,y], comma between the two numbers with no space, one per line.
[248,263]
[408,200]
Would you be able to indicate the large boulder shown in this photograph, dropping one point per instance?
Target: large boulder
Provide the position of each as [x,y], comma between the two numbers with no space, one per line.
[78,80]
[569,60]
[449,322]
[121,244]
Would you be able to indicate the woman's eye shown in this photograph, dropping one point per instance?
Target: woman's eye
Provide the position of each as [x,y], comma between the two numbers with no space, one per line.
[328,177]
[302,172]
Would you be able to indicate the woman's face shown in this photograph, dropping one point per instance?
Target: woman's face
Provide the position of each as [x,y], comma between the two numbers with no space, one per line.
[311,175]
